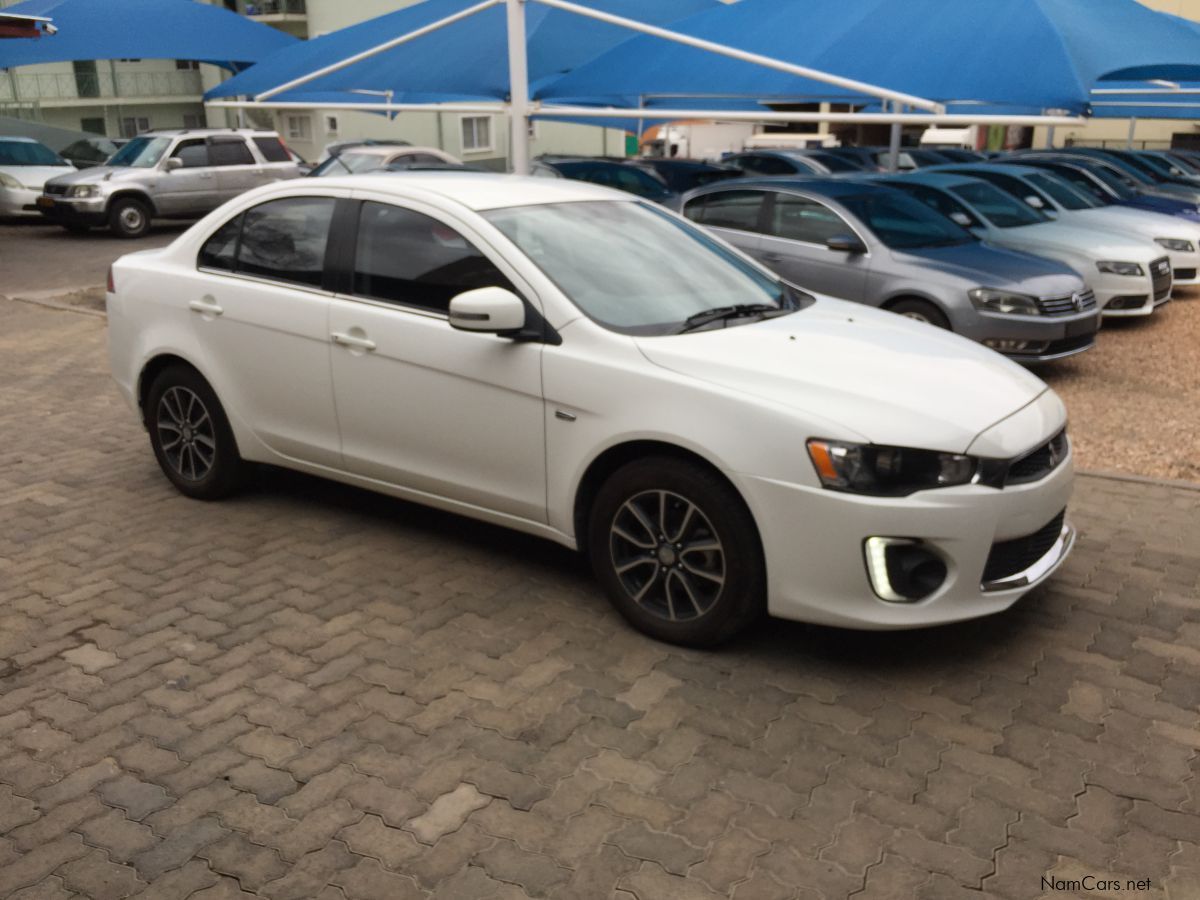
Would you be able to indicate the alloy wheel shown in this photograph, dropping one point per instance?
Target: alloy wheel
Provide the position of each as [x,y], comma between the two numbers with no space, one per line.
[667,555]
[132,218]
[186,433]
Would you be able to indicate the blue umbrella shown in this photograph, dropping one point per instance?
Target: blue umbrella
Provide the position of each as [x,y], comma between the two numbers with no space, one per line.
[464,61]
[143,29]
[1044,54]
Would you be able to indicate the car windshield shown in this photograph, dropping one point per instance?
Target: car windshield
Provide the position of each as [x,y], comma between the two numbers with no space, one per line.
[633,267]
[835,163]
[905,224]
[28,153]
[997,207]
[349,163]
[141,152]
[1060,192]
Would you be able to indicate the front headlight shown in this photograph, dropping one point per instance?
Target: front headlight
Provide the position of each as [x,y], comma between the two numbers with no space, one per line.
[85,190]
[887,471]
[1004,302]
[8,181]
[1120,268]
[1175,245]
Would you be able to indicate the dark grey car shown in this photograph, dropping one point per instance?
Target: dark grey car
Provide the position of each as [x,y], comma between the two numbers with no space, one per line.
[874,245]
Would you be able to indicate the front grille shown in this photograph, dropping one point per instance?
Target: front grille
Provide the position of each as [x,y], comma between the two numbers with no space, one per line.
[1067,304]
[1011,557]
[1066,345]
[55,189]
[1185,274]
[1041,462]
[1160,277]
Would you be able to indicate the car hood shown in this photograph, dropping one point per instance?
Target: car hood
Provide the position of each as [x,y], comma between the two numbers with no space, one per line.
[97,174]
[884,378]
[1140,221]
[1093,242]
[986,265]
[35,176]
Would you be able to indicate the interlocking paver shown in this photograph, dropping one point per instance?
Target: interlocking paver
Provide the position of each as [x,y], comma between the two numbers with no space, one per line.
[311,692]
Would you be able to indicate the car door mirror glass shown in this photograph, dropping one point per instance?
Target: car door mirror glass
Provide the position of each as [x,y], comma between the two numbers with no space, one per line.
[961,218]
[846,243]
[1035,202]
[494,310]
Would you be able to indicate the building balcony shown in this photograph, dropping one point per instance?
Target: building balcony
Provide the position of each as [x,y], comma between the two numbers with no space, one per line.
[94,88]
[287,15]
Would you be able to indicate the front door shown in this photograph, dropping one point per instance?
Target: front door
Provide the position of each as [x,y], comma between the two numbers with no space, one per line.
[794,246]
[448,413]
[183,191]
[260,311]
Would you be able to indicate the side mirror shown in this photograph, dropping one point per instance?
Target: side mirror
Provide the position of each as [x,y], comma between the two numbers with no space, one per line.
[846,243]
[961,218]
[174,163]
[493,310]
[1035,202]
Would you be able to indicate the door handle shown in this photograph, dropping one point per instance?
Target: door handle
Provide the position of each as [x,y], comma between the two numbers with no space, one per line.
[205,307]
[349,340]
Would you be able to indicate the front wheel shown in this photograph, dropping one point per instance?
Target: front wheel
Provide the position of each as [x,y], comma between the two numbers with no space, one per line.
[677,552]
[191,437]
[921,311]
[128,217]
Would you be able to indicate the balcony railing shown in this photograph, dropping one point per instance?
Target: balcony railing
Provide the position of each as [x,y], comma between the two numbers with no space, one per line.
[45,86]
[276,8]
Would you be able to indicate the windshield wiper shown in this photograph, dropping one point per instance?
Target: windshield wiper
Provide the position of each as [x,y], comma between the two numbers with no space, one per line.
[725,313]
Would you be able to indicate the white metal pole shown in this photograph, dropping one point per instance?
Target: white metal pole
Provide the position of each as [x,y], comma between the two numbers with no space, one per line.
[894,145]
[1132,129]
[518,88]
[1050,138]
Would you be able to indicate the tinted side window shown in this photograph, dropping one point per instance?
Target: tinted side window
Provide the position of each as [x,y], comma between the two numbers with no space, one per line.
[192,153]
[630,179]
[285,240]
[800,219]
[727,209]
[764,165]
[943,203]
[272,149]
[230,153]
[220,250]
[410,258]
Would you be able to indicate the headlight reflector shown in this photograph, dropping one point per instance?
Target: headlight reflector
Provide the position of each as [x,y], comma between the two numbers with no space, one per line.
[85,190]
[887,471]
[1120,268]
[1004,302]
[1176,245]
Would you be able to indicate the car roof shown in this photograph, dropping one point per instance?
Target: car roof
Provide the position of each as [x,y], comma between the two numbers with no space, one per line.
[930,179]
[390,150]
[16,138]
[206,132]
[1001,168]
[817,184]
[479,190]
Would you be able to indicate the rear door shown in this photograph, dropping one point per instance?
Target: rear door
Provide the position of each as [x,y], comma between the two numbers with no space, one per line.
[235,166]
[735,215]
[277,163]
[794,246]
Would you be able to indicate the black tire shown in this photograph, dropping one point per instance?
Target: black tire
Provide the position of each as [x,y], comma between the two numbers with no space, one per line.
[191,437]
[922,311]
[128,217]
[680,605]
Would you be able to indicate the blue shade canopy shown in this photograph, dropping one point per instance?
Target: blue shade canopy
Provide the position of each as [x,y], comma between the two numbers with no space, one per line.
[1045,54]
[466,60]
[142,29]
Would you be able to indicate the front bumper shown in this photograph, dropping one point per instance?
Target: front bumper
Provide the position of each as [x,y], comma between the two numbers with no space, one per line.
[1051,337]
[18,201]
[73,211]
[1121,296]
[813,541]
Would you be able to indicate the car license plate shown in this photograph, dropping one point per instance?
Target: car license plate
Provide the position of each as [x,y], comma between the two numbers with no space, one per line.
[45,202]
[1083,326]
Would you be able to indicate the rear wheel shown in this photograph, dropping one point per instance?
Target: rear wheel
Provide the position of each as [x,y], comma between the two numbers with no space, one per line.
[677,552]
[128,217]
[191,437]
[921,311]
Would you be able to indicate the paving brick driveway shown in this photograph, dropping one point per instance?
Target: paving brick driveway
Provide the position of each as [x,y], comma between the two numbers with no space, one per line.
[311,692]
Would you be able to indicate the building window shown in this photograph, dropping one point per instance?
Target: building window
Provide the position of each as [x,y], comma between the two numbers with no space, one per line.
[476,134]
[129,60]
[331,125]
[299,128]
[187,64]
[194,120]
[93,125]
[132,126]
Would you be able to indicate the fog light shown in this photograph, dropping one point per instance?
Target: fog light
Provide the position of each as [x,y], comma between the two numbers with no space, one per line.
[903,570]
[1016,346]
[1135,301]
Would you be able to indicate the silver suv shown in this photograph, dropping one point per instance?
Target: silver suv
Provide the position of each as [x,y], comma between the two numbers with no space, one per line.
[178,174]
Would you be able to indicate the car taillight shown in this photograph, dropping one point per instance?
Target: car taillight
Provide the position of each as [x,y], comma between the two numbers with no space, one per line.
[111,284]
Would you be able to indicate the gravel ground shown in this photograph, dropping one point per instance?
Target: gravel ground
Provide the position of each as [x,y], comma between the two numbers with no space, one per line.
[1134,400]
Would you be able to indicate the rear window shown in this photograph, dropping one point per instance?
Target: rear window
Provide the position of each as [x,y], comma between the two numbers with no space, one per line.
[272,149]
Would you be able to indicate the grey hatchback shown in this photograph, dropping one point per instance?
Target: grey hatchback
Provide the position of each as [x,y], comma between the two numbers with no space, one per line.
[875,245]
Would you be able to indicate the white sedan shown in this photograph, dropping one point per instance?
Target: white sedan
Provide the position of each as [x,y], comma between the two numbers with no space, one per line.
[25,167]
[581,365]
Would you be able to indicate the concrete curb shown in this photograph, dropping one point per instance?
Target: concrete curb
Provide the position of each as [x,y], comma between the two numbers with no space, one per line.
[47,299]
[1176,483]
